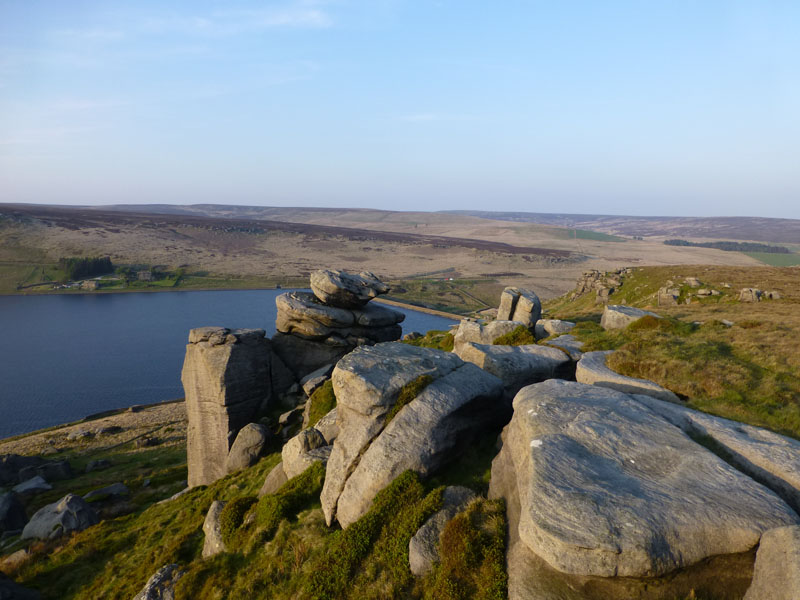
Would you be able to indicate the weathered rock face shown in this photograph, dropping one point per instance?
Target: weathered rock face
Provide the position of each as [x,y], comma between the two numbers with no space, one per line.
[320,334]
[547,327]
[517,366]
[368,454]
[337,288]
[592,370]
[71,513]
[315,379]
[617,316]
[777,570]
[472,331]
[328,426]
[750,295]
[12,513]
[603,284]
[303,450]
[161,586]
[248,447]
[597,484]
[213,543]
[226,379]
[770,458]
[517,304]
[423,549]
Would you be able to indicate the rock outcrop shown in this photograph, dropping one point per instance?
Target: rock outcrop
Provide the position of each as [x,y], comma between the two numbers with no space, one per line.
[312,334]
[226,379]
[569,344]
[71,513]
[423,549]
[12,464]
[597,484]
[592,369]
[750,295]
[517,304]
[454,401]
[517,366]
[337,288]
[777,570]
[617,316]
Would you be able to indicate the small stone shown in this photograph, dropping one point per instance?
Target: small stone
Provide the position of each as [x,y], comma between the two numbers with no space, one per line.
[213,544]
[161,586]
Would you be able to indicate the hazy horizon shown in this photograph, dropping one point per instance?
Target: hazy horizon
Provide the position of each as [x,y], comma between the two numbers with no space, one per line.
[619,108]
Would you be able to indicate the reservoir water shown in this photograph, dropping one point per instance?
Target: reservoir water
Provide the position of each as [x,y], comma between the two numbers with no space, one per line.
[64,357]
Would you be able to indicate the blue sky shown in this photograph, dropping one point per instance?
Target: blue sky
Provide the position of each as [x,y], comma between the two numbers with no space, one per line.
[648,107]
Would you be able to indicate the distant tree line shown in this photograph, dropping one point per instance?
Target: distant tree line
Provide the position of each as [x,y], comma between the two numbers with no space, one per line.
[79,268]
[732,246]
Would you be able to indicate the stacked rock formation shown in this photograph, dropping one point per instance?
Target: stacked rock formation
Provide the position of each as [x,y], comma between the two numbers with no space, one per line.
[317,329]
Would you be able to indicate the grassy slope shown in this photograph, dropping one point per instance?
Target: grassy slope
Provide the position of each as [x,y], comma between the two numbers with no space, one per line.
[747,372]
[278,546]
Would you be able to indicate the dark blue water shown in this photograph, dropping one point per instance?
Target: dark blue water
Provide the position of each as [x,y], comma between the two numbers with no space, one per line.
[63,357]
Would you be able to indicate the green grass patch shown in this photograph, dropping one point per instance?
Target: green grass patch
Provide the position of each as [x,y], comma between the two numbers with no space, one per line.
[369,559]
[439,340]
[520,336]
[323,401]
[473,551]
[407,393]
[775,260]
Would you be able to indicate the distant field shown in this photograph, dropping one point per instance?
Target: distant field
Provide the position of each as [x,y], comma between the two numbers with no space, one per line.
[775,260]
[585,234]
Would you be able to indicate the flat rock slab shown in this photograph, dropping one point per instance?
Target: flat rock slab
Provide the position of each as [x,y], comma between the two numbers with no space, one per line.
[606,488]
[592,370]
[766,456]
[777,570]
[368,454]
[617,316]
[347,290]
[516,366]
